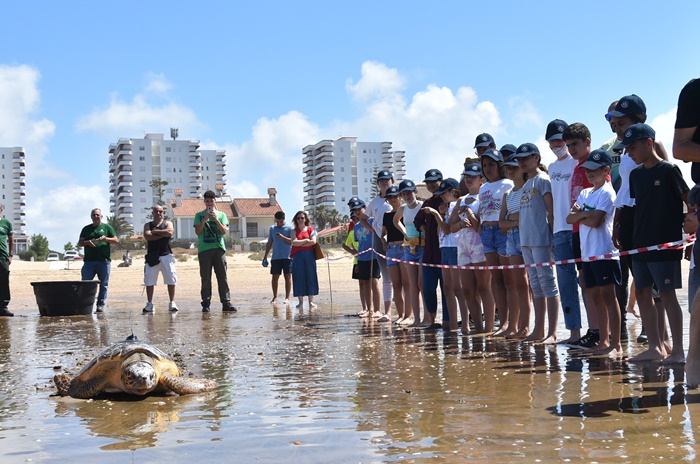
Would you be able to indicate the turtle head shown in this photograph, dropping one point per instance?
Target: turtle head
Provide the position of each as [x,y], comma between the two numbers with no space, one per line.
[139,378]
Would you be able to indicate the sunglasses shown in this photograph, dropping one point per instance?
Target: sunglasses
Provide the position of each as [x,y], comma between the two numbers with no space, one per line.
[608,117]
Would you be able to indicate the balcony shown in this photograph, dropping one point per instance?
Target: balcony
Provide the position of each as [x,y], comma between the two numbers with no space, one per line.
[325,183]
[125,151]
[125,194]
[308,168]
[324,163]
[324,173]
[307,159]
[126,215]
[196,174]
[308,187]
[308,198]
[220,172]
[307,179]
[125,183]
[195,183]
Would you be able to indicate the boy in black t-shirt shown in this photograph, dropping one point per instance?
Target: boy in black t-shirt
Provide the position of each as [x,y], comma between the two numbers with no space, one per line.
[659,192]
[686,137]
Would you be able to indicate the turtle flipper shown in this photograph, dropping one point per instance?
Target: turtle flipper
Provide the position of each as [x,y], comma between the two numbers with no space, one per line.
[85,389]
[62,382]
[185,386]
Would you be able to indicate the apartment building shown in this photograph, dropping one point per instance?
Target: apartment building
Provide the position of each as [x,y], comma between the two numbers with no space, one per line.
[335,170]
[12,193]
[136,166]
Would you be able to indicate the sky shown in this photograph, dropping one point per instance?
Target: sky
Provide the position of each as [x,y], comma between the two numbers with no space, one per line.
[264,79]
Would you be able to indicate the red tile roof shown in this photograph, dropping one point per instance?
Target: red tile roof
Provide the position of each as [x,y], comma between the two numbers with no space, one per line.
[254,207]
[191,206]
[330,231]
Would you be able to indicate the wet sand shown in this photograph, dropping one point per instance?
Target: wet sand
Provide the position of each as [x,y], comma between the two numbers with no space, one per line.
[324,387]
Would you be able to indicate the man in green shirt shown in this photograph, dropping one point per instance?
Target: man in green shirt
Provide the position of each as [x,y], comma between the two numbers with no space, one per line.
[96,238]
[211,226]
[7,246]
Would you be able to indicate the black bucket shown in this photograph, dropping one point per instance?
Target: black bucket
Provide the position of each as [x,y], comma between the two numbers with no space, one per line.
[65,298]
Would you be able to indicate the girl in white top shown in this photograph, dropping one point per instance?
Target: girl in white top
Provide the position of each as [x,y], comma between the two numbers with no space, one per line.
[517,288]
[449,192]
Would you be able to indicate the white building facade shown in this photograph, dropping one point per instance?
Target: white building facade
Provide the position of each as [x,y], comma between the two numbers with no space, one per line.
[135,163]
[336,170]
[12,194]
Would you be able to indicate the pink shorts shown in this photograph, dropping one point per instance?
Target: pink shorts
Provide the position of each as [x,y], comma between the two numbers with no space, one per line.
[470,250]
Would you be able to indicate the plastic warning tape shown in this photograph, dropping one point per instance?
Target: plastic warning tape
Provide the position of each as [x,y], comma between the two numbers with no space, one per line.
[680,244]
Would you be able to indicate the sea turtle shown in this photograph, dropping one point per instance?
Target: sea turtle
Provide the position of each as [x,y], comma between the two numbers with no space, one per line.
[130,366]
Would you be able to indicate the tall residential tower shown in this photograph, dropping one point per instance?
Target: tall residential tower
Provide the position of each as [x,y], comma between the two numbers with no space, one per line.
[136,165]
[334,171]
[12,194]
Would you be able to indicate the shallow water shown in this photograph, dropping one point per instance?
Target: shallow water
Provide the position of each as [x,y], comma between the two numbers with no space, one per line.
[331,388]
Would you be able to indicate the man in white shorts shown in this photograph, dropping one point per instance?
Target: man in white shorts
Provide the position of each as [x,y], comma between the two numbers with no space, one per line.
[159,258]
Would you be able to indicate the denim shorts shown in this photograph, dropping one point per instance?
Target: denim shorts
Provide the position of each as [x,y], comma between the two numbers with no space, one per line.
[449,256]
[394,251]
[416,257]
[494,240]
[513,242]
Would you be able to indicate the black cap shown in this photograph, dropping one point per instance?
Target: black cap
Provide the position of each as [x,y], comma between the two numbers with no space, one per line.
[447,184]
[406,185]
[391,191]
[630,104]
[432,175]
[636,132]
[508,149]
[526,149]
[384,174]
[597,159]
[555,130]
[483,140]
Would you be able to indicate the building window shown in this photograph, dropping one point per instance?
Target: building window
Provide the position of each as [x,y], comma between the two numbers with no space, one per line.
[142,148]
[142,190]
[142,158]
[168,149]
[251,229]
[142,169]
[342,169]
[342,199]
[168,159]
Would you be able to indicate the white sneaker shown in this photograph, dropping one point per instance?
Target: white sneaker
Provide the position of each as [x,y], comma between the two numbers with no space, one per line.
[149,308]
[172,306]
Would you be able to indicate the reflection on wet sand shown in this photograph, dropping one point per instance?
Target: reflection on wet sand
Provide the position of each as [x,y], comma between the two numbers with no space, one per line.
[316,387]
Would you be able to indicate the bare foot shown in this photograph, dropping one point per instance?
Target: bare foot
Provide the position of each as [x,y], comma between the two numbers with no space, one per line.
[648,355]
[407,321]
[384,318]
[533,337]
[613,351]
[465,332]
[273,300]
[286,301]
[364,313]
[313,306]
[551,340]
[399,320]
[633,310]
[300,306]
[376,315]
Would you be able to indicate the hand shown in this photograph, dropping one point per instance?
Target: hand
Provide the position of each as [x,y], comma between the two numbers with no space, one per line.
[576,208]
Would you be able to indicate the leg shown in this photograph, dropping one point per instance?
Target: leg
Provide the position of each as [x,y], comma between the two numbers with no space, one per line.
[5,287]
[171,292]
[498,290]
[692,367]
[221,278]
[149,293]
[568,284]
[397,285]
[483,289]
[287,286]
[610,300]
[675,321]
[205,267]
[645,301]
[386,284]
[375,297]
[103,270]
[275,284]
[522,290]
[430,283]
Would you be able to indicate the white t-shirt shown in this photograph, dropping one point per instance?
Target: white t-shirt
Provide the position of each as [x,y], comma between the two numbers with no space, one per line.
[376,209]
[560,173]
[627,165]
[448,240]
[597,241]
[491,197]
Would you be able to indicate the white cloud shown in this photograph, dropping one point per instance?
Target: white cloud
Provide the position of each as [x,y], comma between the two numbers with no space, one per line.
[140,114]
[61,213]
[21,126]
[378,82]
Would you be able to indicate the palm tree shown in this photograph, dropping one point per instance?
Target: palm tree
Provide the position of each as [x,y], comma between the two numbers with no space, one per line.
[334,217]
[320,216]
[120,226]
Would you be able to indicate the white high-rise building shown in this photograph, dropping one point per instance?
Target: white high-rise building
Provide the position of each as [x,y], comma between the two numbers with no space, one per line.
[334,171]
[134,164]
[12,191]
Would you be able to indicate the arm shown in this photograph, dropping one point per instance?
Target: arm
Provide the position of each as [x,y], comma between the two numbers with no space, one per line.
[507,221]
[268,247]
[593,219]
[438,217]
[661,150]
[167,232]
[684,149]
[397,220]
[11,246]
[199,227]
[549,204]
[616,229]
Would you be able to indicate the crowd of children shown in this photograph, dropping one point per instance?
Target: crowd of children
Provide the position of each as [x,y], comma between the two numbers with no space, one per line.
[509,209]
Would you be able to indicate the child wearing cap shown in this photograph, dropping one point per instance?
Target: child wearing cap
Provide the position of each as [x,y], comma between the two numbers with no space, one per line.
[367,266]
[593,211]
[414,244]
[376,209]
[394,254]
[659,191]
[536,223]
[561,172]
[516,279]
[476,283]
[449,192]
[351,245]
[494,241]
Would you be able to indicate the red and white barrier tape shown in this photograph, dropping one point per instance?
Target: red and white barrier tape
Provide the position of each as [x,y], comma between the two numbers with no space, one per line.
[661,247]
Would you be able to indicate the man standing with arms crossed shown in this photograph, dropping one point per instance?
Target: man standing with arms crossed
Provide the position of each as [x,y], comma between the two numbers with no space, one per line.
[157,234]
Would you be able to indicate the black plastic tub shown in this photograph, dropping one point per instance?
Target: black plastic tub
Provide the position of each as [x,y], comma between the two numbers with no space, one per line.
[65,298]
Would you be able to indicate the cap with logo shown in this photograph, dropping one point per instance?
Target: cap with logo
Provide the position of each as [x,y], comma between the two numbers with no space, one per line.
[446,185]
[384,174]
[511,161]
[391,191]
[493,154]
[636,132]
[432,175]
[597,159]
[555,130]
[356,204]
[407,185]
[508,149]
[525,150]
[354,198]
[484,140]
[472,169]
[631,104]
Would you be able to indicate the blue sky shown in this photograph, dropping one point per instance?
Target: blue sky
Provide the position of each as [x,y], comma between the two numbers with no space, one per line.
[263,79]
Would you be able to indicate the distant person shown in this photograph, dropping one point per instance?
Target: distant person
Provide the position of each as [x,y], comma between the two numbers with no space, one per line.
[304,274]
[7,245]
[159,258]
[281,261]
[96,238]
[211,226]
[376,208]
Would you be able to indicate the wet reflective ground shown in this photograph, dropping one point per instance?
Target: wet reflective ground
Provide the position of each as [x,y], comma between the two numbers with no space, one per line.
[331,388]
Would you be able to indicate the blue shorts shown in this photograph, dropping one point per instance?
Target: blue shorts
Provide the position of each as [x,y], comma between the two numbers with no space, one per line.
[449,256]
[394,251]
[494,240]
[666,275]
[602,273]
[513,242]
[416,257]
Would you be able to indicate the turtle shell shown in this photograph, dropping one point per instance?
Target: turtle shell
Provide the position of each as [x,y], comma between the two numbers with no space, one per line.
[117,352]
